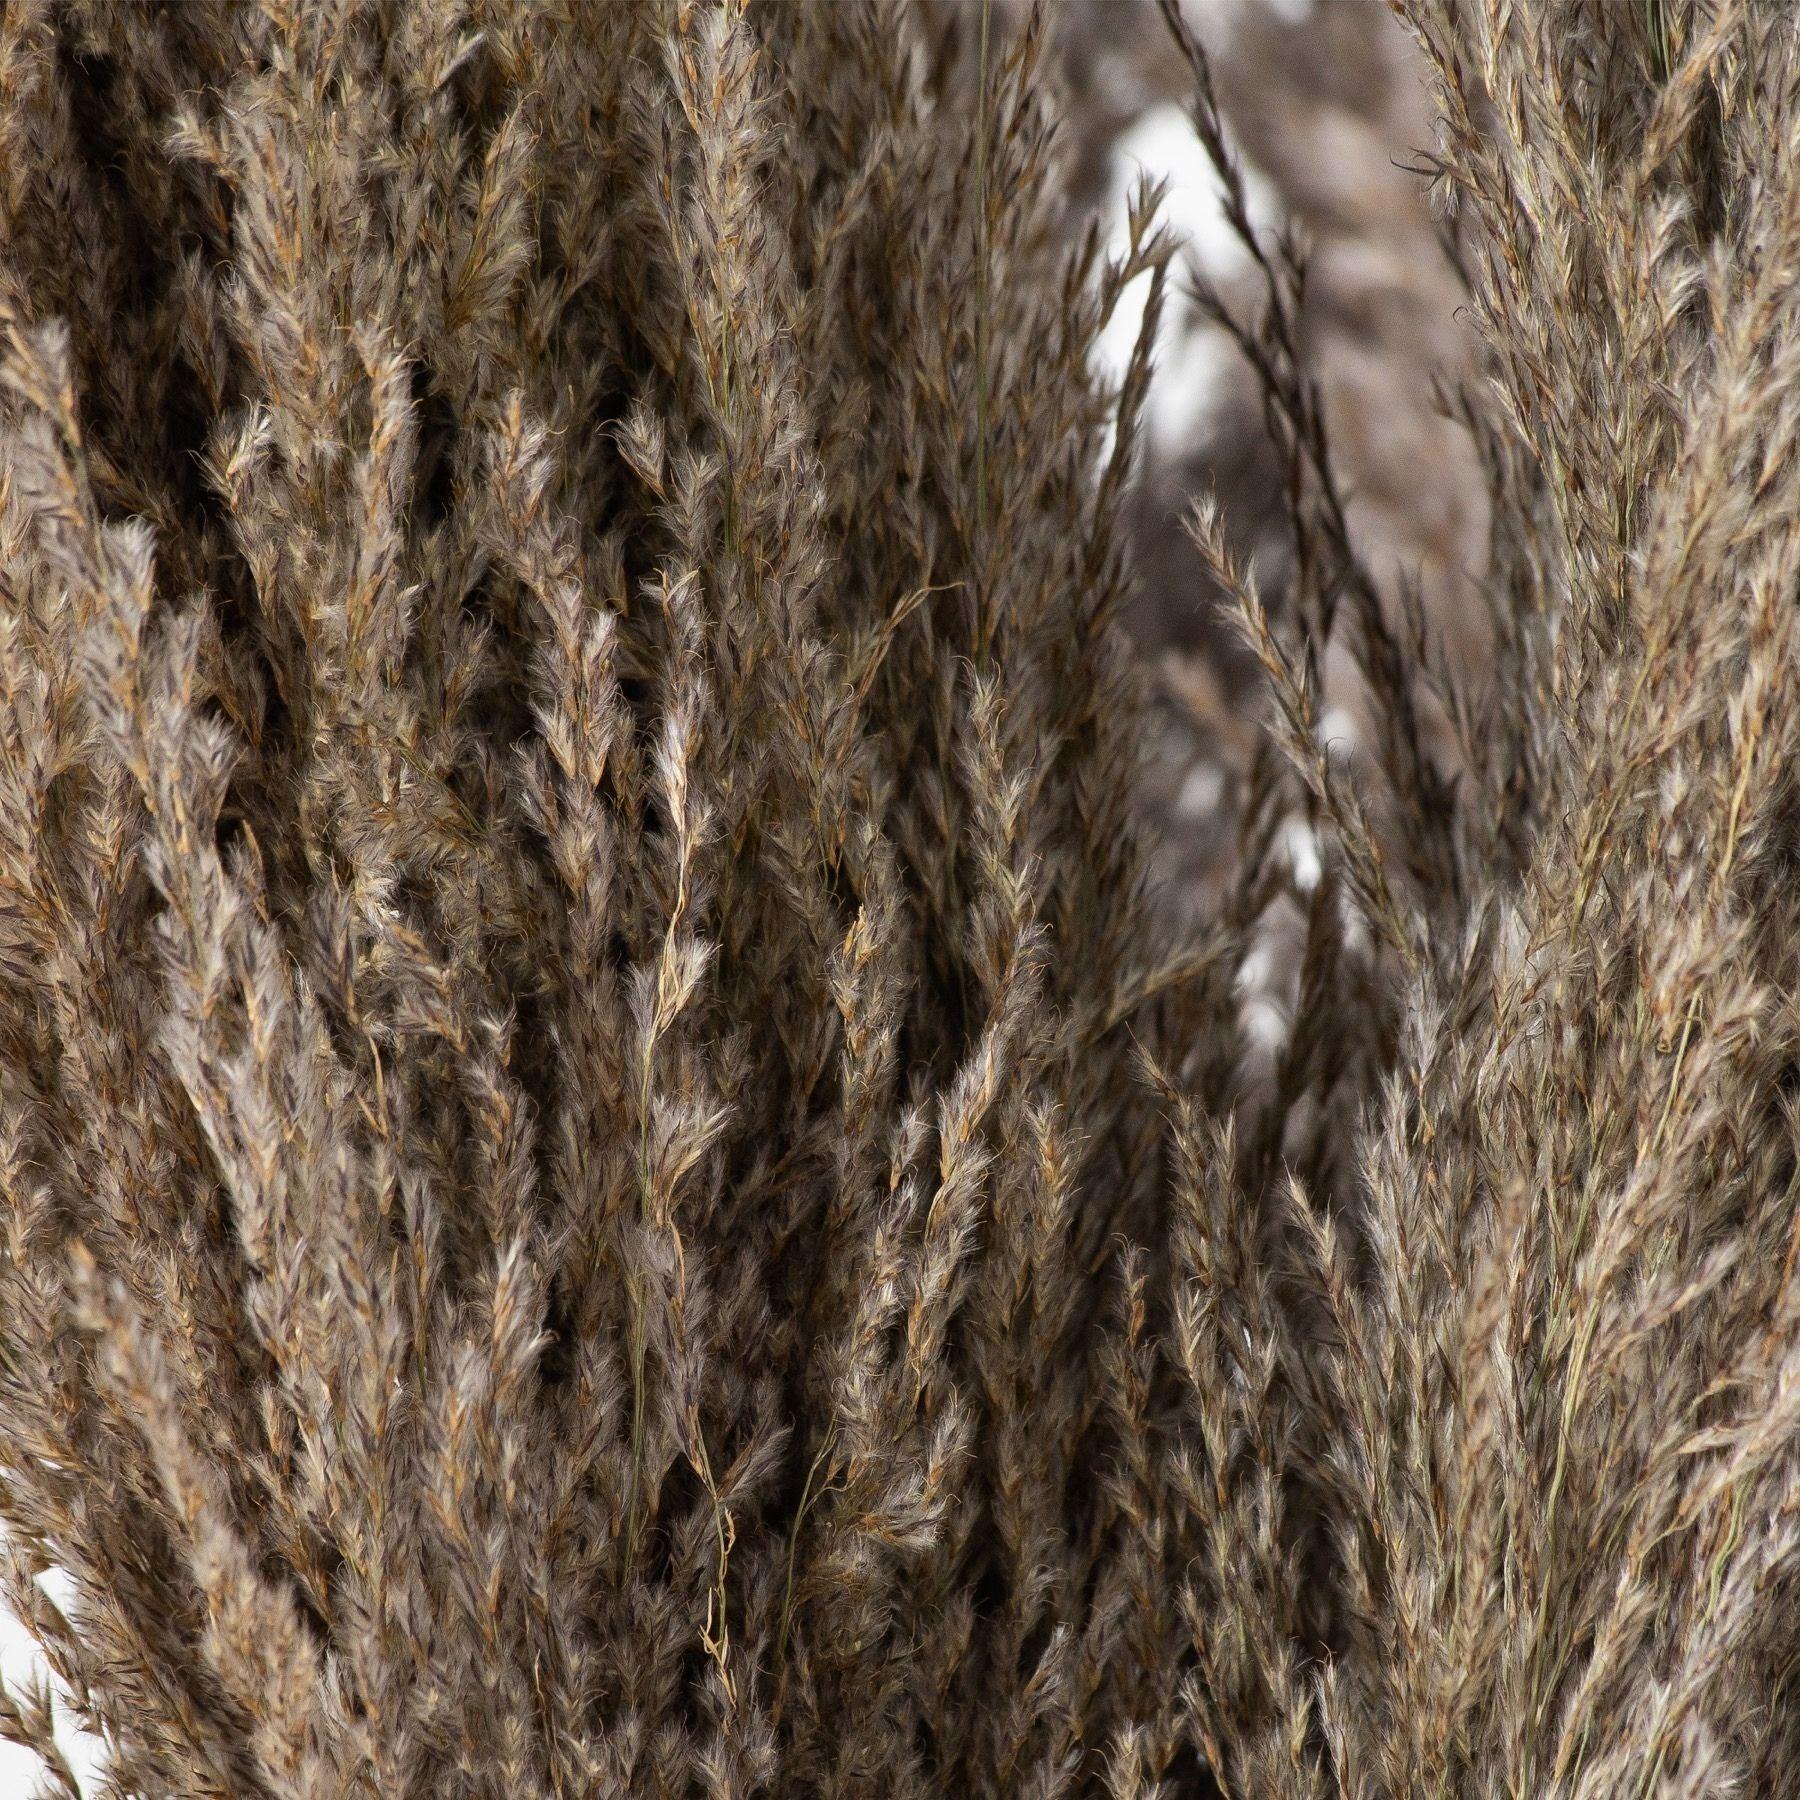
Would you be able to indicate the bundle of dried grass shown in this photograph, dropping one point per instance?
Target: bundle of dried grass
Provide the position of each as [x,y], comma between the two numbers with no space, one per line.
[611,1179]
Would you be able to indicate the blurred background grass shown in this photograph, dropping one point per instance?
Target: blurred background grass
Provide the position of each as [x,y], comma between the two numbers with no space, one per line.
[1330,116]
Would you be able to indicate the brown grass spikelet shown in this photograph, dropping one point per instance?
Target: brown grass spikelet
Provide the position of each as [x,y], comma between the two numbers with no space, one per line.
[615,1177]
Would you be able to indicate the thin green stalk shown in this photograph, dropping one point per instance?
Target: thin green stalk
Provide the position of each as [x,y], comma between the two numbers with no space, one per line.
[1656,22]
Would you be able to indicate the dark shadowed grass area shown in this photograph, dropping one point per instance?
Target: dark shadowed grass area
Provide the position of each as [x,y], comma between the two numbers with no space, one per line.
[616,1176]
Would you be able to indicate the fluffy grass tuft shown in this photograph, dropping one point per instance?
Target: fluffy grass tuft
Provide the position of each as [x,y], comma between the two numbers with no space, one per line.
[613,1179]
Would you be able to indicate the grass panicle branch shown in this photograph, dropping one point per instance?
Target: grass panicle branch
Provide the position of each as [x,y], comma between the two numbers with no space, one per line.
[615,1176]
